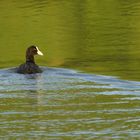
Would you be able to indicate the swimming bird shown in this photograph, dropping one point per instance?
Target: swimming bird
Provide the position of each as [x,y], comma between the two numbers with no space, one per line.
[30,67]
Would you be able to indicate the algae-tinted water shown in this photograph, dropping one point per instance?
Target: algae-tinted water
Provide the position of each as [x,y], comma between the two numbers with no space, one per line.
[65,104]
[90,35]
[98,37]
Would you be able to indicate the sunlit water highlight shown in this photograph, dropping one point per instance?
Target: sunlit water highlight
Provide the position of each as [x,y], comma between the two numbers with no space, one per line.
[66,104]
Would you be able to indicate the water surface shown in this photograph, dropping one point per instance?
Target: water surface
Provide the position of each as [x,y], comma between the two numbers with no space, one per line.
[66,104]
[92,36]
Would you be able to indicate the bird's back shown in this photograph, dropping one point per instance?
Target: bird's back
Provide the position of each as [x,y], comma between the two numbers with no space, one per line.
[28,68]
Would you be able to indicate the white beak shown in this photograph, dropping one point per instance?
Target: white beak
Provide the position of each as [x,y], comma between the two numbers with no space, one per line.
[39,52]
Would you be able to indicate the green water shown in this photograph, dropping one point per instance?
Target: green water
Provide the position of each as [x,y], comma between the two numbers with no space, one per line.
[93,36]
[101,39]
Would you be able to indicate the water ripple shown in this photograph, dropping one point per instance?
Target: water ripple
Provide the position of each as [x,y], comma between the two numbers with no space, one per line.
[70,103]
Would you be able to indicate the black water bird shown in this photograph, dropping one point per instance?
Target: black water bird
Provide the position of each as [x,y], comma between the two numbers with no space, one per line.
[30,67]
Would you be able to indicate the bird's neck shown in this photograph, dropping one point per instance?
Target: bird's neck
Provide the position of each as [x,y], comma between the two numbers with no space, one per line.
[30,58]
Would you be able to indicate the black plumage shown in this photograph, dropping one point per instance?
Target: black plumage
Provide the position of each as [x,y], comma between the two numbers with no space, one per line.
[30,67]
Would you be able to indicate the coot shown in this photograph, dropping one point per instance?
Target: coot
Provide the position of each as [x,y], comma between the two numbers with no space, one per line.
[29,67]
